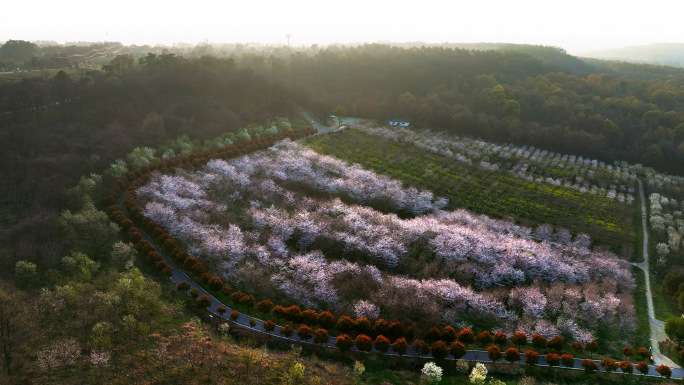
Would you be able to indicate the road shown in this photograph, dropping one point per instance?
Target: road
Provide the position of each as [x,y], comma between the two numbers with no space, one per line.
[472,355]
[657,326]
[322,128]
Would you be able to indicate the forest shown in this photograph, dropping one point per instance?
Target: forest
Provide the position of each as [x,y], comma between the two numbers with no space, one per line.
[74,135]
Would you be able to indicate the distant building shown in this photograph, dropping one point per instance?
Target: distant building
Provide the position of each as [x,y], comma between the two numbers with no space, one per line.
[399,122]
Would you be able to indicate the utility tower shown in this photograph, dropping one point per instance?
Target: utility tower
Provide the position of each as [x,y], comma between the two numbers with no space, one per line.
[288,36]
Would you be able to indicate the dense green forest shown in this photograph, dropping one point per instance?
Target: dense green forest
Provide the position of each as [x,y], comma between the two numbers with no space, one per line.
[616,111]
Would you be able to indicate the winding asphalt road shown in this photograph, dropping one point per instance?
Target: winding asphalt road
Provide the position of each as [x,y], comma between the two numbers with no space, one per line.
[243,320]
[322,128]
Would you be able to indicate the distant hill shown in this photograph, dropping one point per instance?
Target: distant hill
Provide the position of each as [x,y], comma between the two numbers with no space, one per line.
[670,54]
[554,56]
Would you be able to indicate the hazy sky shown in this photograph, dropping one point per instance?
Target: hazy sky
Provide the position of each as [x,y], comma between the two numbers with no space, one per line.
[578,25]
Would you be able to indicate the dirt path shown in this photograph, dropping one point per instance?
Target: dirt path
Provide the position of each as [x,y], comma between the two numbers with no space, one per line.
[657,326]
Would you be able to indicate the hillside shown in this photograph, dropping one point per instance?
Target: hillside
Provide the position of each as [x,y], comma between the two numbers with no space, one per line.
[667,54]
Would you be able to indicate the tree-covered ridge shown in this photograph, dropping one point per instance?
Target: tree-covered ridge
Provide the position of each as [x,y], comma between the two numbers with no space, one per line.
[627,112]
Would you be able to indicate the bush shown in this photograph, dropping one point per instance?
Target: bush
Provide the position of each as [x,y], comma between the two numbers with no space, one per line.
[664,370]
[432,372]
[363,326]
[345,324]
[183,286]
[321,336]
[553,359]
[265,306]
[400,346]
[199,269]
[484,338]
[326,320]
[205,278]
[478,375]
[382,344]
[439,350]
[556,343]
[304,332]
[380,327]
[577,346]
[189,263]
[287,331]
[642,367]
[512,355]
[568,360]
[309,317]
[609,365]
[539,341]
[592,347]
[203,301]
[626,367]
[364,343]
[531,357]
[448,334]
[247,301]
[466,336]
[227,291]
[344,343]
[420,347]
[236,296]
[194,293]
[279,311]
[432,335]
[395,330]
[494,353]
[234,315]
[462,366]
[457,349]
[643,353]
[215,283]
[501,338]
[269,326]
[589,365]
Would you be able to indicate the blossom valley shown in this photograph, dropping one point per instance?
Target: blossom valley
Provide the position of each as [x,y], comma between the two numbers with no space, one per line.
[289,223]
